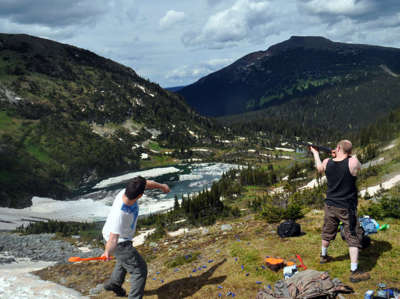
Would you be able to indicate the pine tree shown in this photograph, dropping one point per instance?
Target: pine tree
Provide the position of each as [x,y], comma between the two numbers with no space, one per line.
[176,204]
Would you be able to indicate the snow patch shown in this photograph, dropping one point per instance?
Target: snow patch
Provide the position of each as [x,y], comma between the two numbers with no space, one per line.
[139,239]
[190,177]
[390,146]
[145,173]
[314,183]
[200,150]
[142,88]
[385,185]
[178,232]
[284,149]
[16,282]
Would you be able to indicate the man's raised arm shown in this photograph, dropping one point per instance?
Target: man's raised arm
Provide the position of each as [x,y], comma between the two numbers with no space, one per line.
[154,185]
[321,166]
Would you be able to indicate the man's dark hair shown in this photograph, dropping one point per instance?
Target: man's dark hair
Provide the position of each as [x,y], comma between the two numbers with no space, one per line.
[135,187]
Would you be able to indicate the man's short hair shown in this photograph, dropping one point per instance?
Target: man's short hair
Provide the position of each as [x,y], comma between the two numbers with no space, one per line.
[135,187]
[346,146]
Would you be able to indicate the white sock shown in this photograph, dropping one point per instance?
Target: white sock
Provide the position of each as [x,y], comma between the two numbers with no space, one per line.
[353,266]
[324,251]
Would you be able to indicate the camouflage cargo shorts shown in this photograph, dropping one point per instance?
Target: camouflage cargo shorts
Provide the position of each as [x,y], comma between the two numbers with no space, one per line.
[333,216]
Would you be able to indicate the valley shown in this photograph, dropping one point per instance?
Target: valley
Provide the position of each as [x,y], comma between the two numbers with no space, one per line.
[75,127]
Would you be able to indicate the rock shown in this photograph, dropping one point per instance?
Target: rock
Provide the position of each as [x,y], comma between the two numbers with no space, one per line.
[7,260]
[153,244]
[226,227]
[205,231]
[96,290]
[41,247]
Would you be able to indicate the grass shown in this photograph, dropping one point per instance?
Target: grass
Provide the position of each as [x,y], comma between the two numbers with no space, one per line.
[182,260]
[158,161]
[223,254]
[7,123]
[154,146]
[38,153]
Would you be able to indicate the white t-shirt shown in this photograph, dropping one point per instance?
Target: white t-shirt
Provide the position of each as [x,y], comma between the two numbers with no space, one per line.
[121,220]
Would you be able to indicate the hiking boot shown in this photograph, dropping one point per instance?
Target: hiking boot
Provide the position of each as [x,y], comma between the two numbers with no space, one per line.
[120,292]
[323,259]
[357,276]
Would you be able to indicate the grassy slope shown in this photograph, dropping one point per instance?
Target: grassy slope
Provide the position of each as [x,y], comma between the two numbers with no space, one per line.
[249,242]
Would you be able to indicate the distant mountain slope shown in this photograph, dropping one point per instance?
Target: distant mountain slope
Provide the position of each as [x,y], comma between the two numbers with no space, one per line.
[69,116]
[304,79]
[175,88]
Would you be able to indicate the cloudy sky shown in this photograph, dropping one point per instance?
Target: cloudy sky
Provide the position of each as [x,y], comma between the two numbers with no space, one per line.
[176,42]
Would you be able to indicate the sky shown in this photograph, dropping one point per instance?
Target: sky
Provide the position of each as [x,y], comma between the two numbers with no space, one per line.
[176,42]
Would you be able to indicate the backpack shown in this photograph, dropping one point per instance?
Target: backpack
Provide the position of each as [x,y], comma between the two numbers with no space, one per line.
[370,226]
[274,264]
[289,229]
[304,285]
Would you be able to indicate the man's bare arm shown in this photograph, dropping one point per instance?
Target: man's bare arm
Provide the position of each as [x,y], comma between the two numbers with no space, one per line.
[110,245]
[354,165]
[154,185]
[321,166]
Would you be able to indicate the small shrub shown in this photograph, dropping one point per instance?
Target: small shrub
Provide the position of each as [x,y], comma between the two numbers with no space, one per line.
[293,211]
[384,207]
[271,213]
[157,234]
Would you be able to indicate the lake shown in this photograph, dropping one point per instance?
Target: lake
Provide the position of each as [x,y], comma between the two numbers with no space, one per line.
[93,203]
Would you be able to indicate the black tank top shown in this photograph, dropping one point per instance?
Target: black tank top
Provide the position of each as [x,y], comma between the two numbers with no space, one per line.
[342,190]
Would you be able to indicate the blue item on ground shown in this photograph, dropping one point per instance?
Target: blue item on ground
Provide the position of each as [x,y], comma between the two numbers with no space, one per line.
[369,225]
[368,294]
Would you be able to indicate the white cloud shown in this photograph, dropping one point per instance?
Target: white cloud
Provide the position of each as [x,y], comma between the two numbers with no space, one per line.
[216,32]
[339,7]
[52,13]
[171,18]
[358,10]
[188,73]
[231,25]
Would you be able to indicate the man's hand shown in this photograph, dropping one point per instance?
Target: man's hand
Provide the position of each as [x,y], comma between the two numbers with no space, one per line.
[107,255]
[164,188]
[154,185]
[110,246]
[313,150]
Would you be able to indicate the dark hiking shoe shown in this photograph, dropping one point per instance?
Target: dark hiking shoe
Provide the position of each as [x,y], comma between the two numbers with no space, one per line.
[357,276]
[120,292]
[323,259]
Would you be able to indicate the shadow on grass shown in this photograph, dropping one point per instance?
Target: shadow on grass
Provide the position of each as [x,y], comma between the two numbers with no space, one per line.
[188,286]
[369,256]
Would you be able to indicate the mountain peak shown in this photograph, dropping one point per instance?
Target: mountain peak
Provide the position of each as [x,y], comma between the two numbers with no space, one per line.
[306,42]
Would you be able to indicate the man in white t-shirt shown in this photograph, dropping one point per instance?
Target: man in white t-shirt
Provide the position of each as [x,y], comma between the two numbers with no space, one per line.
[118,231]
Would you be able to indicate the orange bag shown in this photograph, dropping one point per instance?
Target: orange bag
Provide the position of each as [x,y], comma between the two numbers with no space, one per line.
[274,264]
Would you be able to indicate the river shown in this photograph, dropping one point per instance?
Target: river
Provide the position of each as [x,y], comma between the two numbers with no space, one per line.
[92,203]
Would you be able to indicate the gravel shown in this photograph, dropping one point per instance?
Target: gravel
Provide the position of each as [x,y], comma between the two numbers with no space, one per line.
[40,247]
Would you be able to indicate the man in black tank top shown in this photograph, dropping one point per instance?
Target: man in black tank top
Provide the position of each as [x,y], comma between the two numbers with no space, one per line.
[341,204]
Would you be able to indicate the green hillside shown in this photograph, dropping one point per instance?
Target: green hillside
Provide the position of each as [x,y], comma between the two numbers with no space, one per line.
[310,82]
[69,116]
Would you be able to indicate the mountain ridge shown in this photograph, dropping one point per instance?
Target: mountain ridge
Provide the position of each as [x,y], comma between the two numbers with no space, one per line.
[298,67]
